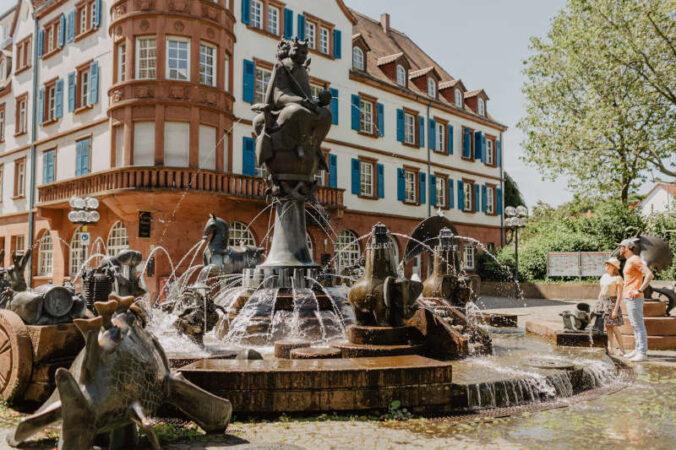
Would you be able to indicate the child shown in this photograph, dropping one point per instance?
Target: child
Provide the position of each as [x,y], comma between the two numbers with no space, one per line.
[609,303]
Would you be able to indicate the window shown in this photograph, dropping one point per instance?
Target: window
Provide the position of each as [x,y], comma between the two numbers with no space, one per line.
[261,84]
[490,196]
[121,62]
[19,243]
[410,179]
[83,20]
[257,14]
[146,58]
[207,64]
[441,192]
[481,107]
[51,36]
[2,122]
[366,179]
[320,177]
[401,75]
[3,70]
[310,35]
[357,58]
[20,177]
[431,88]
[240,235]
[458,98]
[84,76]
[178,58]
[21,115]
[324,40]
[2,180]
[77,252]
[315,90]
[347,250]
[468,194]
[409,128]
[86,17]
[469,256]
[118,239]
[273,20]
[48,166]
[490,157]
[50,98]
[440,141]
[365,116]
[45,256]
[23,55]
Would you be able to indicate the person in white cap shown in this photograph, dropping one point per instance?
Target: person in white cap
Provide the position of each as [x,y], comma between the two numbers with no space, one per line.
[609,303]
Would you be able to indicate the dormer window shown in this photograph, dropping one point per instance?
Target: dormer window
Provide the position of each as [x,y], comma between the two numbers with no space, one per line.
[481,107]
[431,88]
[458,98]
[358,58]
[401,75]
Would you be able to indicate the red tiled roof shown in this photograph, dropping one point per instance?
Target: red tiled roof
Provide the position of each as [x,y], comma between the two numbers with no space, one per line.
[388,59]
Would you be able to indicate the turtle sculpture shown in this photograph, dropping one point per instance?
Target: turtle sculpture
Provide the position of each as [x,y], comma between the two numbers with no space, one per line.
[121,376]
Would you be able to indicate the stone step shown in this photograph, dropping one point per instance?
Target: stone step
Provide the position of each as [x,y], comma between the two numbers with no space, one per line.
[284,348]
[656,326]
[654,342]
[365,335]
[349,350]
[316,353]
[650,308]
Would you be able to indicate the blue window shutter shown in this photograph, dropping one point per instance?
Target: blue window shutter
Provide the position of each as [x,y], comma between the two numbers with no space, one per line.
[78,158]
[484,198]
[433,190]
[301,27]
[423,191]
[337,44]
[400,125]
[58,108]
[433,134]
[249,156]
[498,150]
[356,174]
[246,12]
[48,167]
[477,146]
[450,139]
[499,195]
[381,119]
[41,41]
[41,103]
[94,82]
[97,14]
[421,131]
[477,200]
[86,151]
[249,85]
[355,112]
[333,106]
[451,194]
[401,189]
[381,181]
[333,171]
[288,23]
[71,91]
[466,145]
[461,195]
[62,30]
[71,25]
[484,158]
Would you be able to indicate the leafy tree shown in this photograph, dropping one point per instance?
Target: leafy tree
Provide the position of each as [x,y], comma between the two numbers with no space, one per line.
[599,89]
[513,195]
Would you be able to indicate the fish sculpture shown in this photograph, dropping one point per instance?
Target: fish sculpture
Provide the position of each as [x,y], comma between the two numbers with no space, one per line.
[120,378]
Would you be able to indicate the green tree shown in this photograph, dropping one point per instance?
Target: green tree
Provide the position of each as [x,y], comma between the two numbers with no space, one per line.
[599,90]
[513,195]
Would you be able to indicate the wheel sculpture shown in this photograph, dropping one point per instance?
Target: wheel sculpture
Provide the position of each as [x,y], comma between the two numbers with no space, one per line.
[16,355]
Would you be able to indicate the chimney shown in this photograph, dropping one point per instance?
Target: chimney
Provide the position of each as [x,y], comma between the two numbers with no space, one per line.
[385,22]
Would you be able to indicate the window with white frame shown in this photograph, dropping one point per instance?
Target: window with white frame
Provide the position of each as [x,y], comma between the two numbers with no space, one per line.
[315,90]
[178,58]
[366,116]
[468,262]
[358,58]
[490,199]
[273,20]
[2,123]
[324,40]
[310,34]
[226,72]
[121,62]
[45,255]
[83,20]
[207,64]
[409,128]
[51,103]
[490,157]
[441,192]
[410,179]
[458,98]
[240,235]
[146,58]
[261,84]
[431,87]
[401,75]
[346,250]
[440,141]
[481,107]
[77,252]
[20,170]
[320,177]
[257,14]
[468,192]
[3,70]
[366,179]
[84,87]
[22,128]
[118,239]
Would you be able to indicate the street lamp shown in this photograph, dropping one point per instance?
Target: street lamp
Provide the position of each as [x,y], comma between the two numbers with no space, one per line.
[84,213]
[516,218]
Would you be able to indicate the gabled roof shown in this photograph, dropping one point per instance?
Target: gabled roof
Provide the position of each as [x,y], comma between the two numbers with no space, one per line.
[452,83]
[670,188]
[422,72]
[359,38]
[476,92]
[392,58]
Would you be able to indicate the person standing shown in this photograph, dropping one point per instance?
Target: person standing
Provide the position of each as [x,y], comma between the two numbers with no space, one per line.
[609,303]
[637,276]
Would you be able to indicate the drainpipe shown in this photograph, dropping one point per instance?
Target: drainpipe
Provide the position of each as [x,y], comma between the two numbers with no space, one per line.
[502,190]
[429,152]
[33,150]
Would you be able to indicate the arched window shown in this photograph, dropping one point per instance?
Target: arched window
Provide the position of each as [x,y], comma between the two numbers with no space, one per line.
[77,252]
[358,58]
[401,75]
[45,255]
[482,107]
[431,88]
[347,250]
[458,98]
[118,239]
[3,70]
[240,235]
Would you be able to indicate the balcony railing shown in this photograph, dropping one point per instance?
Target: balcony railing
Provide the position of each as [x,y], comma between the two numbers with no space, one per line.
[167,178]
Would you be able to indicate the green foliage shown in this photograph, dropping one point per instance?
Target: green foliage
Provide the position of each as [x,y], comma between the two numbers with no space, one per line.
[396,412]
[512,193]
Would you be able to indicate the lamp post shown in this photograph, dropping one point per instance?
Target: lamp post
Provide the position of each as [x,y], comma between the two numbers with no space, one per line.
[516,218]
[84,212]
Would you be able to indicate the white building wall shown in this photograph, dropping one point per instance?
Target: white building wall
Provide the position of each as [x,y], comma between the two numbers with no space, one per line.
[658,201]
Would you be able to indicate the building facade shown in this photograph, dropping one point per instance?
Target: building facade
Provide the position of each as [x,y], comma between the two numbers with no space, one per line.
[661,199]
[146,105]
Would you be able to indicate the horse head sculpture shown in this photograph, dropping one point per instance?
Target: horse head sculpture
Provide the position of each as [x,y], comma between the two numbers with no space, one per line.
[219,253]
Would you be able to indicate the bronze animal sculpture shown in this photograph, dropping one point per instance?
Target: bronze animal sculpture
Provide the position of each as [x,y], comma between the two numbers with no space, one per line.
[579,319]
[17,282]
[123,267]
[197,313]
[121,376]
[47,305]
[228,259]
[653,250]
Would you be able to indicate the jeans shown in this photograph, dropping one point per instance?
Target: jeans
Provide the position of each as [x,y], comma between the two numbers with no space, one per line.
[635,313]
